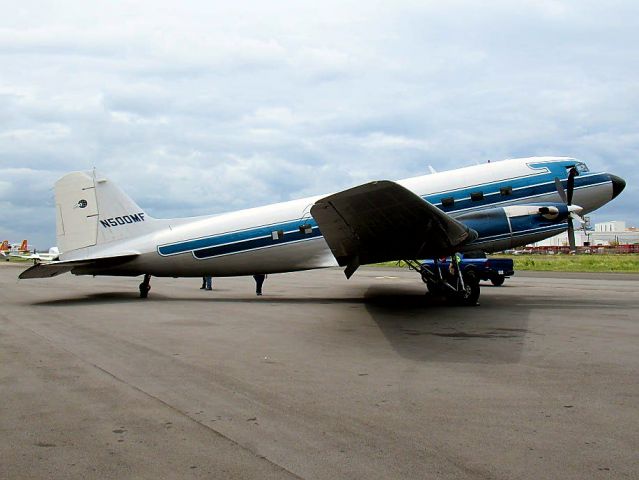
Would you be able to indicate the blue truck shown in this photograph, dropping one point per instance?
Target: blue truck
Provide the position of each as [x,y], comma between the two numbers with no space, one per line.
[483,268]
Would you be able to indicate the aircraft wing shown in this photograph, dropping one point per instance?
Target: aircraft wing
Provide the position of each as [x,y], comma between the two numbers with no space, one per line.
[383,221]
[52,269]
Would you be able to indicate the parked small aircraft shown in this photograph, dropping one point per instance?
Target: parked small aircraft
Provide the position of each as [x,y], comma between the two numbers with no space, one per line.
[12,249]
[52,254]
[489,207]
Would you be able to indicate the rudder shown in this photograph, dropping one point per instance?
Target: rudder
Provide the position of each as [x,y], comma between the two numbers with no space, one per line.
[92,210]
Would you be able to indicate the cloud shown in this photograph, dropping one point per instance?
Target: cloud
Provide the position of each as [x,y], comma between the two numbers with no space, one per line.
[216,106]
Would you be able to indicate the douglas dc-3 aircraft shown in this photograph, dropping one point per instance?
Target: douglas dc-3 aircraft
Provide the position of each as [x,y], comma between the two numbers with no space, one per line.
[489,207]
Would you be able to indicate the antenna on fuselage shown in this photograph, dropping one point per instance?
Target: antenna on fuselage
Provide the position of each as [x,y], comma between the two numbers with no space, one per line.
[431,169]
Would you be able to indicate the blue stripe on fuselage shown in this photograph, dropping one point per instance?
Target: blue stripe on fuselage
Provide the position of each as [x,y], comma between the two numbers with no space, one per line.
[239,238]
[255,243]
[521,189]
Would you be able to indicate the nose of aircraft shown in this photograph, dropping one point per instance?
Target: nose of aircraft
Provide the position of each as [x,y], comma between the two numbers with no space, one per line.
[618,184]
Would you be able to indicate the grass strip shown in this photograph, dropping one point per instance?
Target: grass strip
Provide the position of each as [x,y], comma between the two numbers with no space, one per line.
[628,263]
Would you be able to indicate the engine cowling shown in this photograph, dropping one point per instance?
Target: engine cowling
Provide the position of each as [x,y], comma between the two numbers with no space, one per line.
[500,228]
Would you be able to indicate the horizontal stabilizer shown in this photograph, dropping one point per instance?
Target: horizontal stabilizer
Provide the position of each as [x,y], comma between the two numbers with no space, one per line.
[47,270]
[52,269]
[383,221]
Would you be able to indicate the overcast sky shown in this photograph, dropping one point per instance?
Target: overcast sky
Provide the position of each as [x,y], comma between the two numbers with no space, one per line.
[205,107]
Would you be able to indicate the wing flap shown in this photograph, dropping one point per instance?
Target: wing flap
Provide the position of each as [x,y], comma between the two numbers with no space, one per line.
[383,221]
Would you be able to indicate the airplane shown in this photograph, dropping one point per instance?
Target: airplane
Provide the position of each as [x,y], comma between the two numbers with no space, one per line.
[489,207]
[52,254]
[13,249]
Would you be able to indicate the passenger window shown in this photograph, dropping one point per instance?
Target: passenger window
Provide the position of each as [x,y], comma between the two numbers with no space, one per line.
[448,202]
[277,234]
[306,229]
[506,190]
[476,196]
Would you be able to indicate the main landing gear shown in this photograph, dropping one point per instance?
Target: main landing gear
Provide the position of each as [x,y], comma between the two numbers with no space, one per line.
[460,287]
[145,286]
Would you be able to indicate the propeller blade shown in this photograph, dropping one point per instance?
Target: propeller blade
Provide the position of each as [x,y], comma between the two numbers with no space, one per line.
[560,190]
[571,236]
[571,184]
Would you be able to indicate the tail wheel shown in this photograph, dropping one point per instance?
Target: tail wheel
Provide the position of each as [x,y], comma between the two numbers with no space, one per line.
[144,290]
[145,286]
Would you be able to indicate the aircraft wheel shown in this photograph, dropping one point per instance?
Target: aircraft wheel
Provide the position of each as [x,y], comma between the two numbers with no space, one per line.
[144,290]
[145,286]
[470,294]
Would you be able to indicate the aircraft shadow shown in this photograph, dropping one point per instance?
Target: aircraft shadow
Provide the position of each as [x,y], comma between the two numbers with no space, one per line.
[417,326]
[427,328]
[122,297]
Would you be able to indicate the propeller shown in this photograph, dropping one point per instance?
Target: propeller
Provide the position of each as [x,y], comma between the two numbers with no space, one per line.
[573,210]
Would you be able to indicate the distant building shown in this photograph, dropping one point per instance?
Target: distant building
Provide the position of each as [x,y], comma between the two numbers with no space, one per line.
[614,226]
[605,233]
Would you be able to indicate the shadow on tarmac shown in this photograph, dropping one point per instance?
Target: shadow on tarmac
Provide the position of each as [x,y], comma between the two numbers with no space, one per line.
[427,328]
[122,297]
[418,327]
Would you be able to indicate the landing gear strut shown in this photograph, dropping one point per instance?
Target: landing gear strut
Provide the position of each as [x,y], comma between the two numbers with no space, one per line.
[145,286]
[460,287]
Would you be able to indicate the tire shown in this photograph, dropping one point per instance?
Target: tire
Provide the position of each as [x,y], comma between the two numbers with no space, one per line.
[144,290]
[497,280]
[470,294]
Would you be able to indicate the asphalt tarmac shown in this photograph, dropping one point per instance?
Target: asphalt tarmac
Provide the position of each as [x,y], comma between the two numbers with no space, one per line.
[320,378]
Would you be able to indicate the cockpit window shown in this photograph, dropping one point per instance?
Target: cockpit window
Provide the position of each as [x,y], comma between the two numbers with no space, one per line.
[581,167]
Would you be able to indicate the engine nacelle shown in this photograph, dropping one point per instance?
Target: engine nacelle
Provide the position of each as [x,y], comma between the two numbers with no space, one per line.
[501,228]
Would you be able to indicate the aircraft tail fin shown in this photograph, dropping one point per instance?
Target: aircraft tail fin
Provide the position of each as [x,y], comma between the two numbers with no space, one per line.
[92,210]
[24,246]
[4,247]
